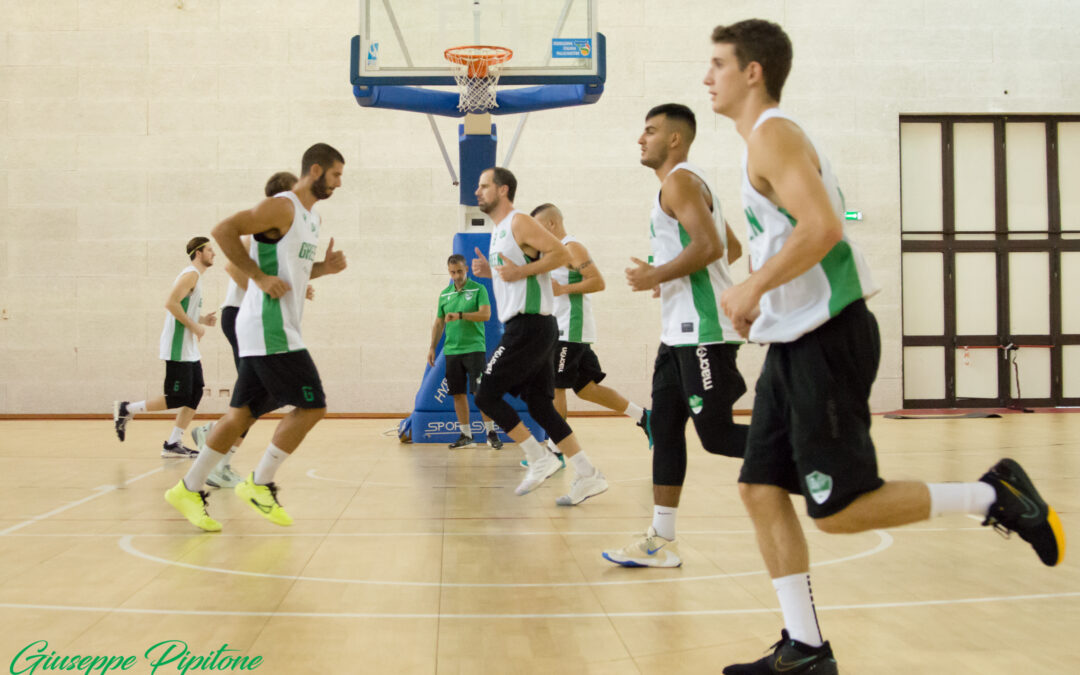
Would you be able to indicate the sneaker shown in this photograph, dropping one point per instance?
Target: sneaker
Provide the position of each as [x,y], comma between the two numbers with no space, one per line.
[200,435]
[224,477]
[791,657]
[121,417]
[462,441]
[177,450]
[539,471]
[1020,509]
[493,440]
[646,425]
[648,550]
[562,461]
[263,498]
[583,487]
[192,505]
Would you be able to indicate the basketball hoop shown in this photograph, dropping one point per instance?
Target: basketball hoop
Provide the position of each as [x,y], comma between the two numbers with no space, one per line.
[476,71]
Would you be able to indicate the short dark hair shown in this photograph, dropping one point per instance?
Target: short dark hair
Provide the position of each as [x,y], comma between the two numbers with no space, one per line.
[540,209]
[282,181]
[321,154]
[456,259]
[761,41]
[500,177]
[676,111]
[194,245]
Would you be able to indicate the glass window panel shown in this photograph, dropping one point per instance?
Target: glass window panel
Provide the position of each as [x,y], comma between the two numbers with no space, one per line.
[1025,175]
[973,175]
[1069,174]
[976,294]
[1070,381]
[920,176]
[924,294]
[1070,292]
[976,373]
[1033,364]
[1029,293]
[924,372]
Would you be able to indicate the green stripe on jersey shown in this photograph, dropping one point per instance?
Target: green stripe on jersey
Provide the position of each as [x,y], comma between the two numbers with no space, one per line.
[272,320]
[532,296]
[844,285]
[178,333]
[577,313]
[704,300]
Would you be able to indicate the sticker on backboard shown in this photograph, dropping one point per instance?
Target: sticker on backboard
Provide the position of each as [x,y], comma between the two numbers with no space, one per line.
[373,56]
[573,48]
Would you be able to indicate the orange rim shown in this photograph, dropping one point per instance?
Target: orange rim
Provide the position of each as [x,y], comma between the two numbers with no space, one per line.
[478,57]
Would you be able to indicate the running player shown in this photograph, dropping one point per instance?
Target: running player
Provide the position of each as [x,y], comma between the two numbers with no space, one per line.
[810,431]
[179,349]
[522,255]
[695,374]
[275,367]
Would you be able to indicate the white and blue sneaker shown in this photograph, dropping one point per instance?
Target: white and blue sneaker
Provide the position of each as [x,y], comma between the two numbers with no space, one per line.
[648,550]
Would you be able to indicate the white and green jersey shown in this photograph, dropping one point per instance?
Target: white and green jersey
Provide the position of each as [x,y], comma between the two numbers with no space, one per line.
[574,311]
[794,309]
[234,295]
[177,342]
[531,295]
[690,311]
[265,325]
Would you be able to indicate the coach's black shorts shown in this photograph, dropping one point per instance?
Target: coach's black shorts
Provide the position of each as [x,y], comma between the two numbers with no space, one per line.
[523,360]
[183,384]
[576,366]
[265,383]
[228,326]
[462,369]
[810,431]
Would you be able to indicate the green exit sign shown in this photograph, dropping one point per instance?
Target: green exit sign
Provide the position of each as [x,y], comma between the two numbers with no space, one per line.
[852,215]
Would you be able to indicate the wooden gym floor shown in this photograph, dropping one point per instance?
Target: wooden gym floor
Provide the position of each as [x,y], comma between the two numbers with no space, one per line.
[416,559]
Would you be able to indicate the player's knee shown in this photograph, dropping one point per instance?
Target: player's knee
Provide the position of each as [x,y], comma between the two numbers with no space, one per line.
[758,498]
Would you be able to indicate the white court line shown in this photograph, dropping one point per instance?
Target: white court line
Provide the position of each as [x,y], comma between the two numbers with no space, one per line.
[311,474]
[561,615]
[125,543]
[101,490]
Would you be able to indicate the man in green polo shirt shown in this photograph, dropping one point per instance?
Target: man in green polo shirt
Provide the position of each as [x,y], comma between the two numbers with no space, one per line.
[463,309]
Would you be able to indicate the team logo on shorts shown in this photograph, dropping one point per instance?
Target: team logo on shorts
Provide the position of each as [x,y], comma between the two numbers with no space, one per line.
[696,403]
[819,485]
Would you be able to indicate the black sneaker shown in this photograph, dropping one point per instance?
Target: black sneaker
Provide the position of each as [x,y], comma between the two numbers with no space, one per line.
[120,417]
[1020,509]
[177,450]
[791,657]
[494,440]
[463,441]
[646,425]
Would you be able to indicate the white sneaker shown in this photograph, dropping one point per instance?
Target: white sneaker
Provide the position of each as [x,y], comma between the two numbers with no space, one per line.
[223,476]
[648,550]
[539,471]
[200,434]
[582,488]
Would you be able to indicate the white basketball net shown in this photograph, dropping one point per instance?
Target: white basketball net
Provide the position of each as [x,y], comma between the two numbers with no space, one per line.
[477,93]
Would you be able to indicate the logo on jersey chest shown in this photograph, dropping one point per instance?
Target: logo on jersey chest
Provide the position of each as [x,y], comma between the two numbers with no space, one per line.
[752,222]
[307,251]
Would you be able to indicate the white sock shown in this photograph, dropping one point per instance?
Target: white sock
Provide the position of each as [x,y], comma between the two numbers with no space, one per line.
[466,430]
[201,468]
[552,447]
[224,462]
[633,411]
[797,603]
[489,426]
[176,436]
[532,448]
[663,521]
[136,408]
[974,498]
[582,464]
[268,465]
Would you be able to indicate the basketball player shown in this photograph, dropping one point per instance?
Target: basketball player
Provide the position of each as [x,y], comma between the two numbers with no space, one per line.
[810,431]
[576,365]
[179,349]
[522,255]
[695,374]
[275,367]
[222,474]
[463,309]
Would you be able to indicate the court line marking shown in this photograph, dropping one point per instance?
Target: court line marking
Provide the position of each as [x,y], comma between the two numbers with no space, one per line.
[561,615]
[99,491]
[360,483]
[885,540]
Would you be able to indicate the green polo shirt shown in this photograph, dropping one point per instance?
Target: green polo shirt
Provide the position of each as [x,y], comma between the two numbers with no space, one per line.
[463,337]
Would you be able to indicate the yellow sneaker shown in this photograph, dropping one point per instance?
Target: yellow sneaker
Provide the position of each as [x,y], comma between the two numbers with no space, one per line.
[192,505]
[263,498]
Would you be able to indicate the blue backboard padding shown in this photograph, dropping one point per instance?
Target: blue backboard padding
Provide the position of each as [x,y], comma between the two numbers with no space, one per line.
[444,103]
[476,154]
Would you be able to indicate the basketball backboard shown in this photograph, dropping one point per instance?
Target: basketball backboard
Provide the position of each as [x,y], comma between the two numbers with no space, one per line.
[402,42]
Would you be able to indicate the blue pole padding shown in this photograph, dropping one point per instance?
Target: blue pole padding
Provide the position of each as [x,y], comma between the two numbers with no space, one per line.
[476,154]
